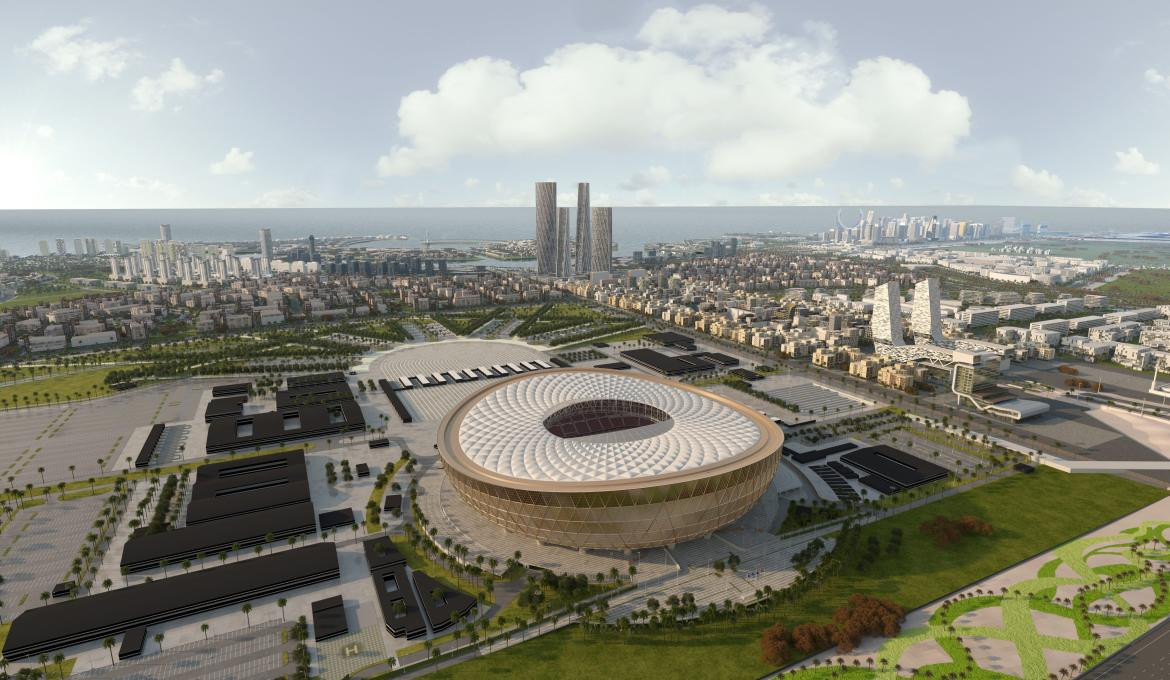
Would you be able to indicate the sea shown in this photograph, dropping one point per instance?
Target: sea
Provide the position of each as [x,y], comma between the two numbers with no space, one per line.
[633,227]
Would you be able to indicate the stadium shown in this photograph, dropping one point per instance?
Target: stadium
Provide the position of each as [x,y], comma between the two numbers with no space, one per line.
[605,459]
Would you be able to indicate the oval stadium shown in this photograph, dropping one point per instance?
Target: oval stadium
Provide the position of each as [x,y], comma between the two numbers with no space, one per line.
[605,459]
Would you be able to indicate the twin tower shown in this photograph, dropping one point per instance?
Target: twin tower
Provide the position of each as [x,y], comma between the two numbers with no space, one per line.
[591,250]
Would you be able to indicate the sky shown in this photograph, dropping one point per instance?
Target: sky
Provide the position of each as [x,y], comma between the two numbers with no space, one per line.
[140,104]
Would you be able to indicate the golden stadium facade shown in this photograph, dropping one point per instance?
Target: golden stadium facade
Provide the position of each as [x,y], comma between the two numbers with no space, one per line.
[594,458]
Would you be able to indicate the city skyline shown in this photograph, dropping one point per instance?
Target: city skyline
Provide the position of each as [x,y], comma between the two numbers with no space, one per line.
[935,130]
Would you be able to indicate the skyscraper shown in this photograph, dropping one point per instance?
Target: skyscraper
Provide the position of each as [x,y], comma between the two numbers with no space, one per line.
[564,267]
[60,246]
[266,244]
[44,248]
[584,240]
[312,248]
[926,317]
[164,232]
[887,314]
[546,227]
[602,237]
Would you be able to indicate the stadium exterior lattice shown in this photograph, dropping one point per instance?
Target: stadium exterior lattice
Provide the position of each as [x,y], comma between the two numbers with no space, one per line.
[606,459]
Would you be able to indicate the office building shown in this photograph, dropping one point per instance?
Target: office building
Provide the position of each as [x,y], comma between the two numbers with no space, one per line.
[44,248]
[546,227]
[60,246]
[887,314]
[312,248]
[266,244]
[78,247]
[563,267]
[164,232]
[584,236]
[926,317]
[602,236]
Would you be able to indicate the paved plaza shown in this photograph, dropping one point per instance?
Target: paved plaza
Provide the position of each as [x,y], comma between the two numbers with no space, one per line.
[255,652]
[38,546]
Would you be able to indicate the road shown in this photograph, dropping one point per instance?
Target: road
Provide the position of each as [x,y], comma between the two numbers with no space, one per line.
[1146,657]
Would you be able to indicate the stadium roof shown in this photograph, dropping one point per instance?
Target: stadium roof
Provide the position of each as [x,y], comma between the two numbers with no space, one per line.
[657,427]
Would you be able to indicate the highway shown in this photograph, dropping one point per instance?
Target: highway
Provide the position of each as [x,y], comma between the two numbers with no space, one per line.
[1146,658]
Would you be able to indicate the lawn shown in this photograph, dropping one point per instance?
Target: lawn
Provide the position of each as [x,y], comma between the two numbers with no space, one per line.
[46,297]
[1030,513]
[1142,286]
[1116,252]
[622,336]
[66,385]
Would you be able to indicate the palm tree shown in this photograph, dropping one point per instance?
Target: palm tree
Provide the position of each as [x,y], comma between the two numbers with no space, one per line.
[158,637]
[109,643]
[247,609]
[204,628]
[281,603]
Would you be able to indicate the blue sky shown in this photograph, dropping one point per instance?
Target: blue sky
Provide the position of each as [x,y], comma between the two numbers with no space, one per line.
[225,104]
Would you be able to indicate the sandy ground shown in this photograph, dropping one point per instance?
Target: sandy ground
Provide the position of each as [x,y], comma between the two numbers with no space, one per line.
[925,653]
[1105,560]
[987,617]
[1057,659]
[1065,571]
[1107,632]
[1139,597]
[996,655]
[1054,625]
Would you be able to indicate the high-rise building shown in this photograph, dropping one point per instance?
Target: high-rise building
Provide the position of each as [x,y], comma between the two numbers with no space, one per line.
[44,248]
[60,246]
[266,244]
[887,314]
[926,316]
[584,240]
[563,267]
[546,227]
[164,232]
[312,248]
[78,247]
[602,237]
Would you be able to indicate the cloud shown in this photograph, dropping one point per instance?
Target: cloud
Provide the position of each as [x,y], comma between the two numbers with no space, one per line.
[140,184]
[897,182]
[756,105]
[45,131]
[704,28]
[1037,182]
[290,197]
[958,199]
[1089,198]
[645,197]
[471,182]
[66,49]
[1155,77]
[234,163]
[150,93]
[1132,162]
[794,198]
[653,176]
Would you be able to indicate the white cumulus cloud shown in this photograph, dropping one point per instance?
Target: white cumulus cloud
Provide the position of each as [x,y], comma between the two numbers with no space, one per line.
[794,198]
[756,105]
[1132,162]
[704,28]
[1037,182]
[653,176]
[289,197]
[234,163]
[150,93]
[137,183]
[66,49]
[471,182]
[897,182]
[45,131]
[1155,77]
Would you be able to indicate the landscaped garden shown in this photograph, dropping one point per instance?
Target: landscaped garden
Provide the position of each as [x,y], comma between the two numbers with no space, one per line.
[1029,514]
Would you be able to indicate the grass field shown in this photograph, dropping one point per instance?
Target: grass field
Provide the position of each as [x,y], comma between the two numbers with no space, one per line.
[67,385]
[1128,254]
[1143,286]
[47,297]
[1030,513]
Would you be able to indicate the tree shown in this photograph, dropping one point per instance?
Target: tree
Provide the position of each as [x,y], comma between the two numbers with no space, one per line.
[159,637]
[281,603]
[204,628]
[109,643]
[247,609]
[59,659]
